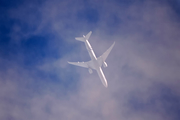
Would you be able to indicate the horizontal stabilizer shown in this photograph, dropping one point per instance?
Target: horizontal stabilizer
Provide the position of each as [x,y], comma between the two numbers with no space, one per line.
[88,35]
[82,39]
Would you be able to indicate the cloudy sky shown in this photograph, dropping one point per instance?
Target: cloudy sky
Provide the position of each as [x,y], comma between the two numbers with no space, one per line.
[143,73]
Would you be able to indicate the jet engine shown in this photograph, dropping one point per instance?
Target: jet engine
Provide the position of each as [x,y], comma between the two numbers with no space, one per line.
[90,71]
[104,64]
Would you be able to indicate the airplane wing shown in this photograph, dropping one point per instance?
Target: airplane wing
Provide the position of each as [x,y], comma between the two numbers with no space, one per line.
[103,57]
[88,64]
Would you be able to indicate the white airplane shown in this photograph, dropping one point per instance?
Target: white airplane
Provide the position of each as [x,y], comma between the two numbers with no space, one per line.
[95,63]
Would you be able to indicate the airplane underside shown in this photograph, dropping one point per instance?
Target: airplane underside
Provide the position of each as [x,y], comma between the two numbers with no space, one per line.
[94,63]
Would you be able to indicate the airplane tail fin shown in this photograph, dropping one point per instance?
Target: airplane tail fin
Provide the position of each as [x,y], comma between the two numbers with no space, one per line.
[82,39]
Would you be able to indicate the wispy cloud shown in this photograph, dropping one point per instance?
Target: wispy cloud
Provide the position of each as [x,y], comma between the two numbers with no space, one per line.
[143,67]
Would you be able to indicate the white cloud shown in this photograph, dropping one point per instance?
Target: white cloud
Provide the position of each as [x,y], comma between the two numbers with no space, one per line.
[146,54]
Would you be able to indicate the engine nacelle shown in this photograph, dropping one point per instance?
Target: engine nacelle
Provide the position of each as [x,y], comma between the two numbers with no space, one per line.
[90,71]
[105,64]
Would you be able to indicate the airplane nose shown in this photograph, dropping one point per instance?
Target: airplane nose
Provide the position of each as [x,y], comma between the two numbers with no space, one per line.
[102,77]
[106,85]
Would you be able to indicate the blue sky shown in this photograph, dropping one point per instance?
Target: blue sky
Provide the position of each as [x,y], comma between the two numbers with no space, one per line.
[37,40]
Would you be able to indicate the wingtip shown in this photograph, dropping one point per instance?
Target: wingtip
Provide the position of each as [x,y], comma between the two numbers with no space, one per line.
[114,43]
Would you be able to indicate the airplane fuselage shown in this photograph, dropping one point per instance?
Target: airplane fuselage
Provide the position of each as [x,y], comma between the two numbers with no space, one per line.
[96,64]
[90,50]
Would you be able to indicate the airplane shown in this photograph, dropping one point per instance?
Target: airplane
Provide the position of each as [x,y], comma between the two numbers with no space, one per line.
[95,63]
